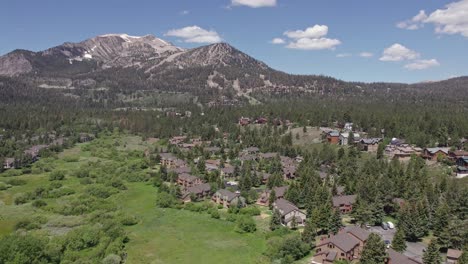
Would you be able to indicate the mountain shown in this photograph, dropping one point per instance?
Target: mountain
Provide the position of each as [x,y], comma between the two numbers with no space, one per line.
[125,63]
[101,52]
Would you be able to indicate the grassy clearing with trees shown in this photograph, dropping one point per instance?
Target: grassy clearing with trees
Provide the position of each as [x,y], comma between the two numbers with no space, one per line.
[96,201]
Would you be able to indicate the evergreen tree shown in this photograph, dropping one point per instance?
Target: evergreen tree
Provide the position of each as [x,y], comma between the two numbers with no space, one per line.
[374,251]
[294,223]
[272,198]
[335,222]
[432,254]
[275,221]
[310,231]
[399,243]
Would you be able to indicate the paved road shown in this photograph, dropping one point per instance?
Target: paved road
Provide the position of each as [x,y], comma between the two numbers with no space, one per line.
[413,249]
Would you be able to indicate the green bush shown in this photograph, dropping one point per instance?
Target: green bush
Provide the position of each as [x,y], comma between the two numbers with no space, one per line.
[100,191]
[129,220]
[39,203]
[12,173]
[231,217]
[4,186]
[71,159]
[22,198]
[253,210]
[245,224]
[61,192]
[16,182]
[86,181]
[165,200]
[215,214]
[57,175]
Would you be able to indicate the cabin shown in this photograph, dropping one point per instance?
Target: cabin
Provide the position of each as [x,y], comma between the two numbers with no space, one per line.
[289,213]
[186,180]
[227,198]
[454,155]
[251,150]
[346,245]
[227,171]
[199,191]
[180,170]
[369,144]
[398,258]
[9,163]
[333,137]
[212,165]
[289,172]
[344,203]
[34,151]
[453,255]
[264,199]
[177,140]
[170,161]
[345,140]
[435,153]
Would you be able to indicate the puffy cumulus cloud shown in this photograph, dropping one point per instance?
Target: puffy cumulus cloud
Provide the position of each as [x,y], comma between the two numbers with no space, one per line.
[312,38]
[195,34]
[316,31]
[366,54]
[343,55]
[451,20]
[414,23]
[314,44]
[398,52]
[254,3]
[184,12]
[422,64]
[278,41]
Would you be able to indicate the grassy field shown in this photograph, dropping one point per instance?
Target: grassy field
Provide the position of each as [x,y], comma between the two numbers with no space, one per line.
[161,235]
[178,236]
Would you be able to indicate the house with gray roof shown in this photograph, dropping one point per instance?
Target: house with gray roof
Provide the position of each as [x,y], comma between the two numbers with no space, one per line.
[288,212]
[228,198]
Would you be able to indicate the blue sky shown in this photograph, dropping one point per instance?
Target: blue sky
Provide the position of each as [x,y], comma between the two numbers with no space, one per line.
[406,45]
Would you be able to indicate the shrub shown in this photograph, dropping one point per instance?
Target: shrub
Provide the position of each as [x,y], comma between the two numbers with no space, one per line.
[55,185]
[86,181]
[112,259]
[57,175]
[250,211]
[100,191]
[231,217]
[82,238]
[16,182]
[245,224]
[12,173]
[71,158]
[215,214]
[61,192]
[4,186]
[27,224]
[129,220]
[22,198]
[165,200]
[39,203]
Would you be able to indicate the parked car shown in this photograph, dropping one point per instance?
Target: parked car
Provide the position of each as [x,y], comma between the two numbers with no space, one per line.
[390,225]
[387,243]
[384,226]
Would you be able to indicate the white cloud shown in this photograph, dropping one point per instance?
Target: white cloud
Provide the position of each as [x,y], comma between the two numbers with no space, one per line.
[184,12]
[314,44]
[312,38]
[414,23]
[366,54]
[422,64]
[254,3]
[316,31]
[451,20]
[195,34]
[398,52]
[278,41]
[343,55]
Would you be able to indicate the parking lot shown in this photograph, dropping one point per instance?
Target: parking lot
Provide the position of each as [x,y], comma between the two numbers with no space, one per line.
[413,249]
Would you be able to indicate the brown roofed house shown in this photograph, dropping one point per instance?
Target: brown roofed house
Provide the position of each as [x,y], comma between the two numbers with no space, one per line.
[288,212]
[227,198]
[453,255]
[344,203]
[186,180]
[199,191]
[398,258]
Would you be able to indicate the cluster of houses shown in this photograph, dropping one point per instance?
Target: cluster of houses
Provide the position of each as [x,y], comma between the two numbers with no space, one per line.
[348,245]
[346,136]
[244,121]
[34,151]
